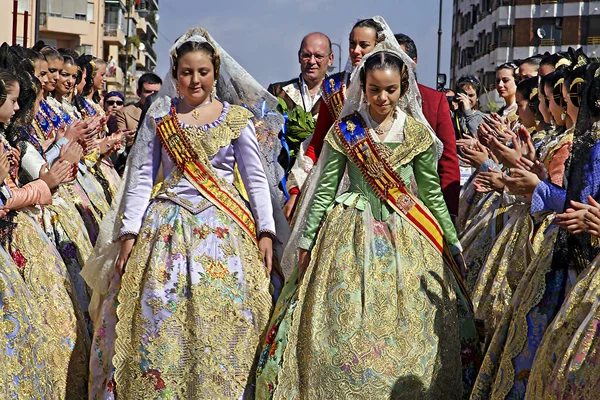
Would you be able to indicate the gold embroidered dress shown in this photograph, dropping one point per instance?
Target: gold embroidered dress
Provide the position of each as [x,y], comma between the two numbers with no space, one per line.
[375,315]
[24,348]
[538,295]
[194,300]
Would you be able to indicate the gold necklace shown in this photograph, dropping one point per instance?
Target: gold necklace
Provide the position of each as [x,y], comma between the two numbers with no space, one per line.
[196,109]
[383,128]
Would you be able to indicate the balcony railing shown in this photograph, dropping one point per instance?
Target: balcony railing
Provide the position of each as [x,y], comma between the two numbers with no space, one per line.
[593,40]
[112,29]
[547,42]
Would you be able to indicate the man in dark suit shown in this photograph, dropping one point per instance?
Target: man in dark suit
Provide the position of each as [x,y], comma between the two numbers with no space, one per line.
[437,113]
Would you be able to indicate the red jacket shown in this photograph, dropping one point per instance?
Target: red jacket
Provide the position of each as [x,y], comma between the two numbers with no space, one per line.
[437,113]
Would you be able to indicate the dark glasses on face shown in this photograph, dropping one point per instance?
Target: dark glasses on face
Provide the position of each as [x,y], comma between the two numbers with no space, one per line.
[113,102]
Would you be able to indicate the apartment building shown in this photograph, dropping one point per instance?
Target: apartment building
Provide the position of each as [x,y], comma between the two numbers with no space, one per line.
[123,32]
[487,33]
[25,27]
[130,31]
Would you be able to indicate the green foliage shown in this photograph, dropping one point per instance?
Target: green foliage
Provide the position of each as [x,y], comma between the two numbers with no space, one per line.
[492,105]
[300,125]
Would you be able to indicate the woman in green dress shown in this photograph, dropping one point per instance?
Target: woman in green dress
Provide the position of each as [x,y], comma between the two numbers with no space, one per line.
[376,312]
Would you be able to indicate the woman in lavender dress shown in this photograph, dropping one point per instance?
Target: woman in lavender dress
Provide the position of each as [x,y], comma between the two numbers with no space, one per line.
[185,319]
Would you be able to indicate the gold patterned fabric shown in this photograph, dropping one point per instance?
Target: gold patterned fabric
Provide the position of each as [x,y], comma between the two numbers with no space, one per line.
[497,375]
[376,314]
[565,365]
[48,280]
[389,331]
[25,350]
[193,304]
[503,268]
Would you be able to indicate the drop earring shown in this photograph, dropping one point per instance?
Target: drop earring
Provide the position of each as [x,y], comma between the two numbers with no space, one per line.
[563,116]
[213,94]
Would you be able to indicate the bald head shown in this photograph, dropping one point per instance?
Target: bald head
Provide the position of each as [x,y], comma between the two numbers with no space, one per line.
[315,56]
[316,37]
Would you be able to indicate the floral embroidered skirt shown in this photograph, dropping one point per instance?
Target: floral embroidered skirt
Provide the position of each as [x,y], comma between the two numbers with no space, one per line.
[470,204]
[46,277]
[187,318]
[24,348]
[375,317]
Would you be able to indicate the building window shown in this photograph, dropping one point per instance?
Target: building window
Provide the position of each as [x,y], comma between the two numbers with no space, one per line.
[23,6]
[504,36]
[547,31]
[84,49]
[594,26]
[90,12]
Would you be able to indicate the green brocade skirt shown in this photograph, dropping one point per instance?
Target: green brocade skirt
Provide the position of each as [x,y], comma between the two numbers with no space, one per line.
[376,316]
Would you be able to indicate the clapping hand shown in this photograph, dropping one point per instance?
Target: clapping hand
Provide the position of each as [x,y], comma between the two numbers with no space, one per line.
[486,182]
[521,181]
[474,155]
[536,167]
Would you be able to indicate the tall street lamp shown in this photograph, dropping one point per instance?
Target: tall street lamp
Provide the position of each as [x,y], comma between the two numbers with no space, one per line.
[439,50]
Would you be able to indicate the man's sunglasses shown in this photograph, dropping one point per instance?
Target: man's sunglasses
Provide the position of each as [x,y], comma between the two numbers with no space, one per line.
[113,102]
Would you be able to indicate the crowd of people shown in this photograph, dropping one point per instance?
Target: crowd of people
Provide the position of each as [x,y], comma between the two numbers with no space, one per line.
[217,239]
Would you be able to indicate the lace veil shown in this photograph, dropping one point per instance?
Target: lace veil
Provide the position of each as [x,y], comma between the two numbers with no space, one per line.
[234,85]
[409,103]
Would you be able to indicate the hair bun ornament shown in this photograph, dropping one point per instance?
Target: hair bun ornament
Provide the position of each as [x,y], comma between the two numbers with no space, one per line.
[534,93]
[576,81]
[563,62]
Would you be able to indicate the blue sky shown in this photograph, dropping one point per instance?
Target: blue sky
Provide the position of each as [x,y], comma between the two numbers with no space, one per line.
[264,35]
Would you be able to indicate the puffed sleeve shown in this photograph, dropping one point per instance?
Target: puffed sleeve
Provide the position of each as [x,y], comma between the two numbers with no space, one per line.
[324,196]
[137,197]
[430,193]
[31,162]
[548,196]
[36,192]
[247,156]
[53,151]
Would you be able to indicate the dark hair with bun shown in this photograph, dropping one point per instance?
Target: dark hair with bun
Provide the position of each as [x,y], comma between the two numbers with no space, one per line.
[370,23]
[51,53]
[574,83]
[528,88]
[383,61]
[193,46]
[555,80]
[7,82]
